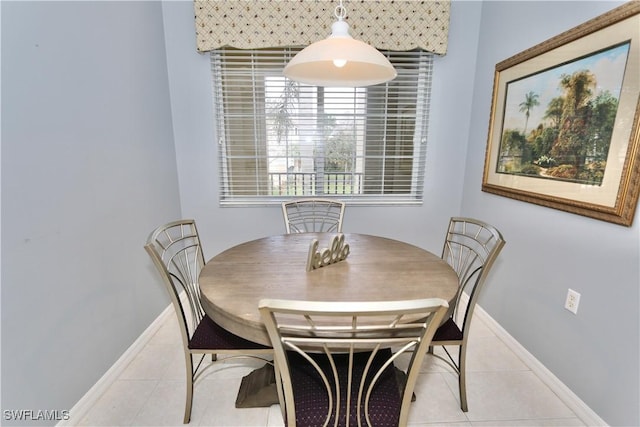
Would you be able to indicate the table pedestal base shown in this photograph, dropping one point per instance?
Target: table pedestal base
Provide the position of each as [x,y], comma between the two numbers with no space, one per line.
[258,389]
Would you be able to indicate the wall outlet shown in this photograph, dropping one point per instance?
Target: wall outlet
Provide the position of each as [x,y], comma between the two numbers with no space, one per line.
[572,302]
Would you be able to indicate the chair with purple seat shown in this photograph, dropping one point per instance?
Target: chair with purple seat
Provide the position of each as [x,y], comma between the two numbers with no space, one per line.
[177,253]
[470,247]
[334,361]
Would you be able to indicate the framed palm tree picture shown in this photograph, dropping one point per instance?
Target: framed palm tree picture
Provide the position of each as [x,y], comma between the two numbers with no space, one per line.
[564,129]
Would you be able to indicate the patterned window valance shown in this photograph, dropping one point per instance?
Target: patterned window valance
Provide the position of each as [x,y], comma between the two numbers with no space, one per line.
[388,25]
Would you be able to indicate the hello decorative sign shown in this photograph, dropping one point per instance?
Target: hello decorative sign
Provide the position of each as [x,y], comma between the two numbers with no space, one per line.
[337,251]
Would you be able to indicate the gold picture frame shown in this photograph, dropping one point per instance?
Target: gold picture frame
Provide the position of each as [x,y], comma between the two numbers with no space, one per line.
[564,130]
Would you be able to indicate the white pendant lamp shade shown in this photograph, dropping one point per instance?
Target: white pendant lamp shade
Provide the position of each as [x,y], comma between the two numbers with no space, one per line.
[340,61]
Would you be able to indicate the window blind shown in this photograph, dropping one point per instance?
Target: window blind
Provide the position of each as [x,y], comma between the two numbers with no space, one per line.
[279,139]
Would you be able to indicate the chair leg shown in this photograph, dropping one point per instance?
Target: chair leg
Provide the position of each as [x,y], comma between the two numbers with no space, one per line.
[281,398]
[189,401]
[462,376]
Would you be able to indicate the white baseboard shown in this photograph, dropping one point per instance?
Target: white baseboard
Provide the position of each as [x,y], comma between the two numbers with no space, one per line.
[582,411]
[83,406]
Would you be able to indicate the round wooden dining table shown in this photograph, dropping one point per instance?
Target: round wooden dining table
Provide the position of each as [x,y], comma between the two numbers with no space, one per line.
[376,269]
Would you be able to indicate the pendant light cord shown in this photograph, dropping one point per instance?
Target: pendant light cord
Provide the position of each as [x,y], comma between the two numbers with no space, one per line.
[340,12]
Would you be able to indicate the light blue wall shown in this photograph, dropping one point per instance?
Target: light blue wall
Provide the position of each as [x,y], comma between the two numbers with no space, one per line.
[595,353]
[88,168]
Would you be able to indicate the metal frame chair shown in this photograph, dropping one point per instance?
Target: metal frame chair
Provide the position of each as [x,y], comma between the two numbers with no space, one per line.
[470,247]
[313,215]
[176,252]
[333,360]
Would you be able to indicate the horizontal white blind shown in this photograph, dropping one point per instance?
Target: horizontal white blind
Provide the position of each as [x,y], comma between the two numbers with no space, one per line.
[279,139]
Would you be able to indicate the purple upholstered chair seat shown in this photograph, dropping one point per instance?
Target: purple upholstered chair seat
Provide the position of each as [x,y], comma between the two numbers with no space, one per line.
[448,331]
[209,334]
[311,397]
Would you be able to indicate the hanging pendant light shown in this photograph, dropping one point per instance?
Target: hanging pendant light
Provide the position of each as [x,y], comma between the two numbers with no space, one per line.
[340,60]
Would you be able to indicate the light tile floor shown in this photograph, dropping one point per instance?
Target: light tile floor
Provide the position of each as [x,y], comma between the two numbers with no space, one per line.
[501,390]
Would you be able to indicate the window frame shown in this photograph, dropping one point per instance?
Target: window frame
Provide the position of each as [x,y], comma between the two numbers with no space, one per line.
[417,65]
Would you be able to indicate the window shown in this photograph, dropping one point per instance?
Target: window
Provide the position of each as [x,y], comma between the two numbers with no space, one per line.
[280,139]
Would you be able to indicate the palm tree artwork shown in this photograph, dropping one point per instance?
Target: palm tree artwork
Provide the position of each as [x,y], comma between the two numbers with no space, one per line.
[558,123]
[530,101]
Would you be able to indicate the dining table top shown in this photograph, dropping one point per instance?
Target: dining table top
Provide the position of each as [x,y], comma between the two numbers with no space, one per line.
[376,269]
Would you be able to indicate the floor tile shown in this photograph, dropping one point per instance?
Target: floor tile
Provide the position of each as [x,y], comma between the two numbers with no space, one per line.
[443,424]
[435,402]
[488,354]
[120,403]
[220,408]
[505,395]
[165,406]
[479,329]
[275,417]
[151,363]
[168,333]
[501,390]
[538,422]
[175,369]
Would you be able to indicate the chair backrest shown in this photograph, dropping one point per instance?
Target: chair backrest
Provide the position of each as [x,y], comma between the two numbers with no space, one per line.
[470,247]
[319,337]
[313,215]
[176,251]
